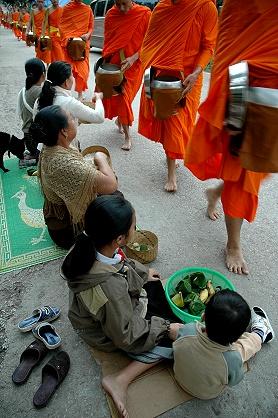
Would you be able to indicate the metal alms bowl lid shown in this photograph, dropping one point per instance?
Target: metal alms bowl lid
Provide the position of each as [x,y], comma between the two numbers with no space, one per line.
[166,82]
[106,68]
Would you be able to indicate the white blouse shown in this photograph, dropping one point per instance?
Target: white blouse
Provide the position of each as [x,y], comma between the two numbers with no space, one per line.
[78,110]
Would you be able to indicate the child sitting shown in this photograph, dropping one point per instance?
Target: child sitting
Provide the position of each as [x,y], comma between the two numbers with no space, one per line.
[210,356]
[115,302]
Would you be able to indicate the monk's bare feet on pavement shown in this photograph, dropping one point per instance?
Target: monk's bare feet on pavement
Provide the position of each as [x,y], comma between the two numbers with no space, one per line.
[119,126]
[117,389]
[213,211]
[127,143]
[235,261]
[171,184]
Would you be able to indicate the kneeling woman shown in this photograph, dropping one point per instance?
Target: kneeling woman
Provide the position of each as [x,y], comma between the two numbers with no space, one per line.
[69,182]
[115,302]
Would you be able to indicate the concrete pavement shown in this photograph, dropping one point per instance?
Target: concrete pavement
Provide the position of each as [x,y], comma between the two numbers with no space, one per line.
[186,237]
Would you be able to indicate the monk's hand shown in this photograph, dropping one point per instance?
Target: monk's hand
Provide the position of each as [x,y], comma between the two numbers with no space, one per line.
[153,275]
[85,37]
[190,80]
[129,61]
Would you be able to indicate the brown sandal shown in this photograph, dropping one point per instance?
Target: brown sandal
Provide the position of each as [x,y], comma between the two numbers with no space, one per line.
[30,358]
[53,373]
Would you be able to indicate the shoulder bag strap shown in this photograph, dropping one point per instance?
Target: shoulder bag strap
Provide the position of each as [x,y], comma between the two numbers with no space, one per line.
[45,22]
[28,107]
[33,23]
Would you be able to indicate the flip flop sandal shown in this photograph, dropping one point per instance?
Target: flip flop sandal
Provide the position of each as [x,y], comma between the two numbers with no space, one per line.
[46,313]
[48,335]
[53,373]
[30,358]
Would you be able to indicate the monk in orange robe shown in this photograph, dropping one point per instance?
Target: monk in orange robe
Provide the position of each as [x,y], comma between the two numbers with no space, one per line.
[179,42]
[53,17]
[1,16]
[36,22]
[25,17]
[248,31]
[77,21]
[124,29]
[15,19]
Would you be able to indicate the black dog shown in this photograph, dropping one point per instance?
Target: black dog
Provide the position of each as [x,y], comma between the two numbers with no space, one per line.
[13,145]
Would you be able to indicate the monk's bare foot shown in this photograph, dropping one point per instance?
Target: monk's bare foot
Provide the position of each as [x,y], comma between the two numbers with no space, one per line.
[235,261]
[213,211]
[127,145]
[171,186]
[119,126]
[113,385]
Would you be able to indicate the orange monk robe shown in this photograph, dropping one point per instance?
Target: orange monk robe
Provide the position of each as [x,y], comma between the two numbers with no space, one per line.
[15,19]
[251,35]
[77,19]
[54,17]
[38,23]
[125,32]
[180,37]
[25,20]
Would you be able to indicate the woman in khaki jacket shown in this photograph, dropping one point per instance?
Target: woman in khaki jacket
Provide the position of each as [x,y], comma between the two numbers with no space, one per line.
[115,302]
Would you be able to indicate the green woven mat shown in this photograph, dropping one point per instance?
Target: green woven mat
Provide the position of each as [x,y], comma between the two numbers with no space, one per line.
[24,240]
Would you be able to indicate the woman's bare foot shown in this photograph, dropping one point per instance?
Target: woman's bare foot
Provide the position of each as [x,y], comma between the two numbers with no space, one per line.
[235,261]
[212,196]
[117,389]
[119,126]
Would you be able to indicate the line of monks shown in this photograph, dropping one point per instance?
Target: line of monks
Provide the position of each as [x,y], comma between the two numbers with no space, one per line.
[60,24]
[178,39]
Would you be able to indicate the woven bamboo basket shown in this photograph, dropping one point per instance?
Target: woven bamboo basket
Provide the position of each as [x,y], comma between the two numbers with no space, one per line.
[143,237]
[97,148]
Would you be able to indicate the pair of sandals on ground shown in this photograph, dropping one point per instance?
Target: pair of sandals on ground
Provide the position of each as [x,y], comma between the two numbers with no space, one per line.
[53,372]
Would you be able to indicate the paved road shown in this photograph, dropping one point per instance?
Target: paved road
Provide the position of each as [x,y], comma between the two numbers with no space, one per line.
[186,237]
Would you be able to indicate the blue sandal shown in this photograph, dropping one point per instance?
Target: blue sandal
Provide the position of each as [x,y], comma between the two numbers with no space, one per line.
[46,313]
[48,335]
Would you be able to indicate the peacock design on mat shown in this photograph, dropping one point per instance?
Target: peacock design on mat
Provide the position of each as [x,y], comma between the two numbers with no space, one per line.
[31,217]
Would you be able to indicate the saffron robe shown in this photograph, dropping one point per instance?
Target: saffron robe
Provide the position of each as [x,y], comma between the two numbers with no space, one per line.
[25,20]
[125,31]
[247,32]
[180,37]
[15,19]
[54,17]
[76,20]
[38,25]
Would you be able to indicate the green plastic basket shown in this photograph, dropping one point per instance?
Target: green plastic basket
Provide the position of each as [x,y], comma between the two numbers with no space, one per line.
[217,279]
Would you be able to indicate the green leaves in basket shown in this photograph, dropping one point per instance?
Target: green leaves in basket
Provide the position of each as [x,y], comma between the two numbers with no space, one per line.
[196,306]
[198,280]
[189,298]
[193,292]
[184,286]
[140,247]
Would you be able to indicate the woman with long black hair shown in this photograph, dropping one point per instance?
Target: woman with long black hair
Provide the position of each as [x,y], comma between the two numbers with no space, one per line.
[69,182]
